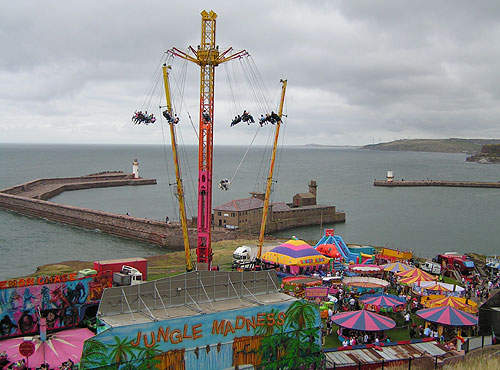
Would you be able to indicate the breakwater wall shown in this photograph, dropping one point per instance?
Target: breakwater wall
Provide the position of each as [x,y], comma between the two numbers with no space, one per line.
[48,188]
[458,184]
[144,230]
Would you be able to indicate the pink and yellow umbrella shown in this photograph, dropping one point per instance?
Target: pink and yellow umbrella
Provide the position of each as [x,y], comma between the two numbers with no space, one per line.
[412,280]
[455,302]
[447,315]
[396,267]
[417,272]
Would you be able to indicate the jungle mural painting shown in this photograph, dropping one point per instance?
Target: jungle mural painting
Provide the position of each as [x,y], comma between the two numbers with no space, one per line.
[59,299]
[277,336]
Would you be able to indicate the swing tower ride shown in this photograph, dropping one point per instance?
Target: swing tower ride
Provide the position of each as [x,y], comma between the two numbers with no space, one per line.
[207,56]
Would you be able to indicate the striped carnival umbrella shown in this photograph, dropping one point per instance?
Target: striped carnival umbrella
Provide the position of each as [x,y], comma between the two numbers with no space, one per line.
[363,320]
[417,272]
[437,288]
[382,300]
[412,280]
[396,267]
[455,302]
[447,315]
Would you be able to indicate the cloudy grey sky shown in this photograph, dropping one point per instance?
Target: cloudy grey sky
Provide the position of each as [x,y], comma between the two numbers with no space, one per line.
[358,71]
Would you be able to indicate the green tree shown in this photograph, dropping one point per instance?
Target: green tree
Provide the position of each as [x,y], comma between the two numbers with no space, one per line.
[94,355]
[301,315]
[121,351]
[148,356]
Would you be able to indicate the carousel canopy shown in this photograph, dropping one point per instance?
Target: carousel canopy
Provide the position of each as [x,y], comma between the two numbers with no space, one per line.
[447,315]
[396,267]
[382,300]
[360,268]
[363,320]
[417,272]
[295,253]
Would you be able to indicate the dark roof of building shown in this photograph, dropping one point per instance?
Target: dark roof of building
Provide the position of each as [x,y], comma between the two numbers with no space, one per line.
[281,207]
[305,195]
[239,205]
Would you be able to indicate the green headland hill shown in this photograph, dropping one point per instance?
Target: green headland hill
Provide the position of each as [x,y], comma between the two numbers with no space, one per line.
[452,145]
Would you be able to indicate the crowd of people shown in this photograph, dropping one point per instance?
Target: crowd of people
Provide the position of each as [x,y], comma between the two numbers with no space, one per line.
[343,300]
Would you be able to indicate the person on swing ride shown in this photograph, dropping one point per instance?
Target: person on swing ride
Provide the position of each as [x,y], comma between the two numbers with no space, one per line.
[275,117]
[236,120]
[262,120]
[246,117]
[224,184]
[167,116]
[137,117]
[269,119]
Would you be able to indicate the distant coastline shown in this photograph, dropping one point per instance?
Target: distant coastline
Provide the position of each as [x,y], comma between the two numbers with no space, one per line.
[452,145]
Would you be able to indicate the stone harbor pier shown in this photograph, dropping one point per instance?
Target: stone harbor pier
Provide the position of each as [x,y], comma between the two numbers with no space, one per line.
[32,199]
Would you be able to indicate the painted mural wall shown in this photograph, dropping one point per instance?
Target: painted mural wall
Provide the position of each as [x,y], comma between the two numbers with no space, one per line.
[285,335]
[58,298]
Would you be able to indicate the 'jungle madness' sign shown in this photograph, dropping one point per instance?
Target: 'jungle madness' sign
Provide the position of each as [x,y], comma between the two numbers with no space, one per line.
[284,335]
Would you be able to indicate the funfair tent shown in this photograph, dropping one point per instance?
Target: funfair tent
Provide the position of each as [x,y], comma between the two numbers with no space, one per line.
[298,255]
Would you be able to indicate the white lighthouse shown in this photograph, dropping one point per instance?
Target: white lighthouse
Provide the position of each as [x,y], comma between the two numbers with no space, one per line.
[390,176]
[135,169]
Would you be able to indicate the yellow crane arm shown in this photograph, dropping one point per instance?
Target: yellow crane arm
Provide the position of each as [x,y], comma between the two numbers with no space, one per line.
[180,191]
[271,170]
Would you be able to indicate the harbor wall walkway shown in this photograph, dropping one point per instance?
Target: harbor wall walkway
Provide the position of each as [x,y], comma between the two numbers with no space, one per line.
[460,184]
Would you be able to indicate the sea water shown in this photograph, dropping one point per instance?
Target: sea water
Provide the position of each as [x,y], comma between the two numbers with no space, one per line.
[427,220]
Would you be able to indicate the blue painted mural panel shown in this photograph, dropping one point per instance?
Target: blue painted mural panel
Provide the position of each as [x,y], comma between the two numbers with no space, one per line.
[286,333]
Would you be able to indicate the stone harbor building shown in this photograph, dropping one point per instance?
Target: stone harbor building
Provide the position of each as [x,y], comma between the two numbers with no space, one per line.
[246,214]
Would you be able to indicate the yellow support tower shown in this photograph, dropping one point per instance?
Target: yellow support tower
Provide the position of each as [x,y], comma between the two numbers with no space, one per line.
[180,191]
[271,170]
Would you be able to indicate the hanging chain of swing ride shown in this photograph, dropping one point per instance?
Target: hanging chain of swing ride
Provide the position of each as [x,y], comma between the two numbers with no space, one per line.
[253,85]
[245,87]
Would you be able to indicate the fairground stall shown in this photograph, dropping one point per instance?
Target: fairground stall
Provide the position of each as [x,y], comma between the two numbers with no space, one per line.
[296,285]
[205,320]
[363,284]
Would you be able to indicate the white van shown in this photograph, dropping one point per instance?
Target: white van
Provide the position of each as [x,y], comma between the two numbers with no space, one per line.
[432,267]
[135,275]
